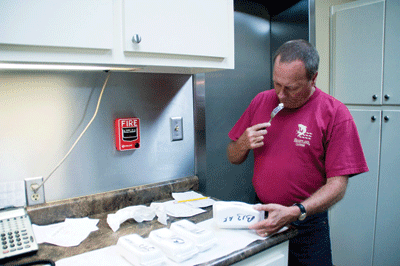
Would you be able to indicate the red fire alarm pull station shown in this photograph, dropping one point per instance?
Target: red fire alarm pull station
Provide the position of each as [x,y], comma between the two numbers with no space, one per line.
[127,134]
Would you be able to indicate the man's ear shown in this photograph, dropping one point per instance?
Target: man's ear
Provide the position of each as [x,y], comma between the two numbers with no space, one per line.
[314,79]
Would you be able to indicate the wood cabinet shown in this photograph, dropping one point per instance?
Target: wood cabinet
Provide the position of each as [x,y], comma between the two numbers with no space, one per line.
[365,75]
[175,36]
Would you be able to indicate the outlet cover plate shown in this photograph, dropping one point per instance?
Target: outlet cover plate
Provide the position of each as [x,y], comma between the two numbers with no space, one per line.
[176,128]
[33,198]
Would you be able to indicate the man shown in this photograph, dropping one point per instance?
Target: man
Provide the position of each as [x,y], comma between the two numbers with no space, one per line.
[303,162]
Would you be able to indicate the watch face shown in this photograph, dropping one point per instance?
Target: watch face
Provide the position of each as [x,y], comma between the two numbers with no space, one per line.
[302,210]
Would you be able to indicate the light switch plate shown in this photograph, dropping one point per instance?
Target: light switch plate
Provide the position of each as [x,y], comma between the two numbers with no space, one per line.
[176,128]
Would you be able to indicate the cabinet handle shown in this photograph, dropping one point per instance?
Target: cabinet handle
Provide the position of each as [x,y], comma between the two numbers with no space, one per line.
[136,38]
[373,118]
[387,97]
[386,118]
[374,97]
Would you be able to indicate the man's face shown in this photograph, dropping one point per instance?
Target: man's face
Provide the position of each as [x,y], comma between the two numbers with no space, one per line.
[291,84]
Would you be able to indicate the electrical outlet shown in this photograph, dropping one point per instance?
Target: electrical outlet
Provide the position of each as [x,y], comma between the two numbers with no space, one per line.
[176,128]
[33,198]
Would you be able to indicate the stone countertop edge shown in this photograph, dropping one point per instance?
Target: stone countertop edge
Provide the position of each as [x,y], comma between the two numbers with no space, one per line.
[108,202]
[252,249]
[97,206]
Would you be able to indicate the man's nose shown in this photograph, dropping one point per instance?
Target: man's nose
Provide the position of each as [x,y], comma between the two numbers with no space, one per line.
[281,94]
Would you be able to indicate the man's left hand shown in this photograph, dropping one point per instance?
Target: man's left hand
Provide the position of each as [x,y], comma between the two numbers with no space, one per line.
[278,217]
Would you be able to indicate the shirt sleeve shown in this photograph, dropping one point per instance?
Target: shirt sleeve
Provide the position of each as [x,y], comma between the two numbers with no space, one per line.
[344,153]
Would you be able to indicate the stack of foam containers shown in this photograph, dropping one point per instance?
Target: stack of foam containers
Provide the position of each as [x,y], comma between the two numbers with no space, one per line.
[179,243]
[176,247]
[139,251]
[202,238]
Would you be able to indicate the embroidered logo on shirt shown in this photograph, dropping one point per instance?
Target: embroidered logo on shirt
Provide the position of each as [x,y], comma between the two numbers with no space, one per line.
[303,137]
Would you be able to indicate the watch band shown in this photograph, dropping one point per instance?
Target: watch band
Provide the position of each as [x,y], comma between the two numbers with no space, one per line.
[302,210]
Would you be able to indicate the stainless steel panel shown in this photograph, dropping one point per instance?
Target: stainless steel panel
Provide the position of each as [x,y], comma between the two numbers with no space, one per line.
[311,22]
[227,95]
[42,113]
[199,121]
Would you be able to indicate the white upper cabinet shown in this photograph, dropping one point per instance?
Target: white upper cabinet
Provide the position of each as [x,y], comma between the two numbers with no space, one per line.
[171,36]
[72,23]
[190,33]
[391,77]
[196,28]
[357,39]
[365,61]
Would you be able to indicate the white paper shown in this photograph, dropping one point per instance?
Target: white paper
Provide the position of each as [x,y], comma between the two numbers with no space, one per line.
[229,240]
[190,195]
[69,233]
[101,257]
[181,209]
[201,203]
[186,195]
[139,213]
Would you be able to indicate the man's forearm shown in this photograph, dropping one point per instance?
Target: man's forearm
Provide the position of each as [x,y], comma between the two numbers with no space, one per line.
[236,153]
[325,197]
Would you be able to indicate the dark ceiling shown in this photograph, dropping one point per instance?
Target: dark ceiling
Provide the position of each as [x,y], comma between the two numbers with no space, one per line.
[272,8]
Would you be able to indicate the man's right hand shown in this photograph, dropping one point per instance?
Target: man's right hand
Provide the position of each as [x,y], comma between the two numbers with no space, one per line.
[251,138]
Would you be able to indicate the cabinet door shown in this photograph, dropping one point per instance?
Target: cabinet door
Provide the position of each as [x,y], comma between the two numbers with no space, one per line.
[352,220]
[387,239]
[275,256]
[357,51]
[391,82]
[57,23]
[181,27]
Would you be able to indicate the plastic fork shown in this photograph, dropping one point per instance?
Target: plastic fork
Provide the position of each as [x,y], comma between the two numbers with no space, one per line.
[275,111]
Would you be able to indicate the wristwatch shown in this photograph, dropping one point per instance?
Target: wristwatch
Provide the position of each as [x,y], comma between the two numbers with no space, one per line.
[303,214]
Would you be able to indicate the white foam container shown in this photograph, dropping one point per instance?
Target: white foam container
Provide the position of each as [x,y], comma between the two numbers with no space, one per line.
[204,239]
[235,214]
[140,251]
[176,247]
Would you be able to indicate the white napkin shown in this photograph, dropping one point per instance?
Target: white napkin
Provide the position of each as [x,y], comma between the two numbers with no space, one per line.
[139,213]
[69,233]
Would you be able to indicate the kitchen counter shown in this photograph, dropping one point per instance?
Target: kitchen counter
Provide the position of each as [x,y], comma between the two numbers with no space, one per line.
[98,206]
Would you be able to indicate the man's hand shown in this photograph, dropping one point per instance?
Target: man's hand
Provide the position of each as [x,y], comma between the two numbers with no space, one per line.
[278,217]
[251,138]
